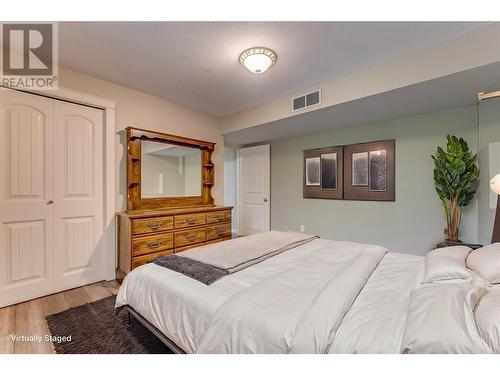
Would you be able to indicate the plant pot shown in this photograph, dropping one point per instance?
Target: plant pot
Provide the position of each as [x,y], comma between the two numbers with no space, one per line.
[447,243]
[453,243]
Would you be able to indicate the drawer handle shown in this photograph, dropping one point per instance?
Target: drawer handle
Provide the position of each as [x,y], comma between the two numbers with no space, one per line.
[155,226]
[155,244]
[191,237]
[220,231]
[190,220]
[220,218]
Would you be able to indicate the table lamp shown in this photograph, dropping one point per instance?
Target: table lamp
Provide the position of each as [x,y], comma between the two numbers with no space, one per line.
[495,187]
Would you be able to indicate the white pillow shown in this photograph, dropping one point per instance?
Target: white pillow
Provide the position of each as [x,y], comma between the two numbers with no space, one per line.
[486,262]
[458,252]
[447,264]
[488,318]
[440,320]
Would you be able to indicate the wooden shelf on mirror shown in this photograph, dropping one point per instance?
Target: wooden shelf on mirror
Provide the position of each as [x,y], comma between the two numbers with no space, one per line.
[135,180]
[135,137]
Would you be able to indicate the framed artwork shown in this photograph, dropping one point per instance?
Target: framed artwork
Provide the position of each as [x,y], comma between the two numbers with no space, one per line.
[360,169]
[370,171]
[329,171]
[313,172]
[378,170]
[363,171]
[323,173]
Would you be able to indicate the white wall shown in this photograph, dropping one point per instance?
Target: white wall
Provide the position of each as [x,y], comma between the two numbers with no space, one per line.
[134,108]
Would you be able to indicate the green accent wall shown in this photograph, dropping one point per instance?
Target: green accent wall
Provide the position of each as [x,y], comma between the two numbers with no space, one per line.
[414,223]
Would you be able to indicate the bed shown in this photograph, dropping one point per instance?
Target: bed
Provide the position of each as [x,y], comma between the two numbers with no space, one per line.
[320,296]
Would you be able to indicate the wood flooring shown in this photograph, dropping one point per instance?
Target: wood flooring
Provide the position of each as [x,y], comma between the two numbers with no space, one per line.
[28,318]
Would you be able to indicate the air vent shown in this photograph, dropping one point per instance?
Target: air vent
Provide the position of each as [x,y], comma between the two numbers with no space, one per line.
[307,100]
[299,103]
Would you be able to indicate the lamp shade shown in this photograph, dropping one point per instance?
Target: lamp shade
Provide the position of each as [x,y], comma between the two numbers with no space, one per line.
[495,184]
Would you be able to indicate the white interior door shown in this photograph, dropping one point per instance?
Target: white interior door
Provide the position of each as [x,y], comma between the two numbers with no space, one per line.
[254,198]
[78,195]
[51,196]
[26,218]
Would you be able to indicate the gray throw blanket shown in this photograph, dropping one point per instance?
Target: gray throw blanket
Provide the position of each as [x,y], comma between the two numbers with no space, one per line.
[209,263]
[202,272]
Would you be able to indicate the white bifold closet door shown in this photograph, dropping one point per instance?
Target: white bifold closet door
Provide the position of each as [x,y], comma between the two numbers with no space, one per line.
[51,196]
[78,195]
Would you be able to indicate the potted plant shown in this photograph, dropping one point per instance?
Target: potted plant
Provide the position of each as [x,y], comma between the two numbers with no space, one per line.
[456,178]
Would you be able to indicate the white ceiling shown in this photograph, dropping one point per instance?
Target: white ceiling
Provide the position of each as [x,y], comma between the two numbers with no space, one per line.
[451,91]
[196,64]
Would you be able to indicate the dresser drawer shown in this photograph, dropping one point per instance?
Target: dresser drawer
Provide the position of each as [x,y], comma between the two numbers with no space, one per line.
[185,221]
[152,244]
[218,217]
[151,225]
[189,237]
[218,231]
[139,261]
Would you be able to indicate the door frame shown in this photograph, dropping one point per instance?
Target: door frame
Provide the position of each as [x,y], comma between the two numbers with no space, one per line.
[238,194]
[109,179]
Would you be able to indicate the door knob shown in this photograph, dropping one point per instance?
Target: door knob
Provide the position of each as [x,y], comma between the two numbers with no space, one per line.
[265,200]
[50,202]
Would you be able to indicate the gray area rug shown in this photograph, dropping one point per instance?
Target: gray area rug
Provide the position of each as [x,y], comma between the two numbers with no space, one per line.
[95,329]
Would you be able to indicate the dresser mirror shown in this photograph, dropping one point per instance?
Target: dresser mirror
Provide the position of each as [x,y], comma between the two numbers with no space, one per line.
[165,170]
[170,170]
[170,207]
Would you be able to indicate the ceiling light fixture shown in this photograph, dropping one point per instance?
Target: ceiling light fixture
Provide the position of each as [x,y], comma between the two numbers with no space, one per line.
[258,59]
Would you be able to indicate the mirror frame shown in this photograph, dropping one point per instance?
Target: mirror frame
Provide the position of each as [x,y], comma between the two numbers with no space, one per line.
[135,136]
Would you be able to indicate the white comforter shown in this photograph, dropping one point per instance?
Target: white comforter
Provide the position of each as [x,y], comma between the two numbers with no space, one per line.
[376,321]
[320,297]
[297,310]
[326,274]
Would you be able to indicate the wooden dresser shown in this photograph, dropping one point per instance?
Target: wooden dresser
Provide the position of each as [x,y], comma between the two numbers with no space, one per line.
[144,235]
[157,221]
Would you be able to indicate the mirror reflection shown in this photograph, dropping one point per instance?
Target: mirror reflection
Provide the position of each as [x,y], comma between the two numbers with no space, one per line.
[169,170]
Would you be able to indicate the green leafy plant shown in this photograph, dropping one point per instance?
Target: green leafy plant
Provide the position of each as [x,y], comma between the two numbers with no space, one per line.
[456,179]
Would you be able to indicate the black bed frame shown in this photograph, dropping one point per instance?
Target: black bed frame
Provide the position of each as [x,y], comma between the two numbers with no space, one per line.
[151,328]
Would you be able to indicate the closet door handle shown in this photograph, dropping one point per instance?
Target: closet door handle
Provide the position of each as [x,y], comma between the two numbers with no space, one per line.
[50,202]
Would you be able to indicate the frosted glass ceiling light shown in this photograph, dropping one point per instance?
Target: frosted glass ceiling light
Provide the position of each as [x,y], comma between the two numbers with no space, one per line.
[258,59]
